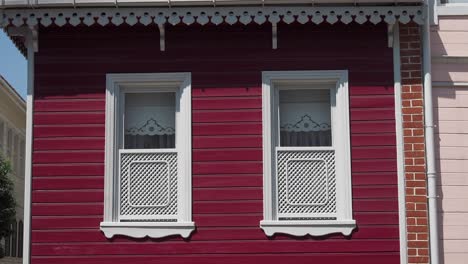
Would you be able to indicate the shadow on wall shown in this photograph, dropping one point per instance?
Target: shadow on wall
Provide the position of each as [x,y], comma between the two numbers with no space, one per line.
[450,115]
[449,49]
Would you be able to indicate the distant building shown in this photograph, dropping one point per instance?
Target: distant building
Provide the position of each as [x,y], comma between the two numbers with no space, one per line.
[12,138]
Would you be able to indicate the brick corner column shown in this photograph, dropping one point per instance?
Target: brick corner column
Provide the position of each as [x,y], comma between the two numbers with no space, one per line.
[414,147]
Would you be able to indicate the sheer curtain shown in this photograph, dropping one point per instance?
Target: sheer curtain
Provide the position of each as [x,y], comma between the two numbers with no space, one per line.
[305,117]
[149,120]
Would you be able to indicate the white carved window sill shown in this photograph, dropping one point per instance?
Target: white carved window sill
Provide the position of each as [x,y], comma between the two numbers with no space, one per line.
[313,228]
[147,229]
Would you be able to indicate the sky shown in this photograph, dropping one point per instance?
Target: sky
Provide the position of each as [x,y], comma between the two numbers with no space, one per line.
[13,65]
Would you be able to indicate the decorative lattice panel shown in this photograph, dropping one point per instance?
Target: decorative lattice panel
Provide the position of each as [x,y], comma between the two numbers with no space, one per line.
[148,186]
[306,183]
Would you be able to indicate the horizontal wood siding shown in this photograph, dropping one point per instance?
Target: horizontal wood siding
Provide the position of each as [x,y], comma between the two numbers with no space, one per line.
[450,40]
[452,156]
[226,64]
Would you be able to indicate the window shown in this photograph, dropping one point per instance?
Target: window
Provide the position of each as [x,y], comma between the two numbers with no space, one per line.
[15,153]
[8,243]
[9,144]
[306,144]
[14,241]
[2,136]
[20,238]
[21,158]
[148,155]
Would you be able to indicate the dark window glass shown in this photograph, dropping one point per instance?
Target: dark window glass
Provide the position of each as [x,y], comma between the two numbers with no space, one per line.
[8,244]
[20,239]
[14,241]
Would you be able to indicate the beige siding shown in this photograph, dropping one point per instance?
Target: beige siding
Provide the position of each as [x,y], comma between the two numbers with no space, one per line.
[10,260]
[13,118]
[451,115]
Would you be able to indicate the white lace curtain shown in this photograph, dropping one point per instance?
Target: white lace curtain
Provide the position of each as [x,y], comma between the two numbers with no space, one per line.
[149,120]
[305,118]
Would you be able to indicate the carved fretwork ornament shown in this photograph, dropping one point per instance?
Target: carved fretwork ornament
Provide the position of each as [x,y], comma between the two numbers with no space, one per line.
[24,34]
[150,128]
[305,124]
[213,15]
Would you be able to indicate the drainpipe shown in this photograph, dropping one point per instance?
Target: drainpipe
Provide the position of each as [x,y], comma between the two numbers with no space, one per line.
[429,136]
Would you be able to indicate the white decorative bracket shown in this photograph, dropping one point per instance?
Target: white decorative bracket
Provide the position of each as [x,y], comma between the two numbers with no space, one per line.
[162,37]
[35,38]
[390,34]
[274,35]
[28,33]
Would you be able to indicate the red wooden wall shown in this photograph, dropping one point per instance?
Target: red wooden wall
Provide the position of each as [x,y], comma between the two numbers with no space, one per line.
[226,64]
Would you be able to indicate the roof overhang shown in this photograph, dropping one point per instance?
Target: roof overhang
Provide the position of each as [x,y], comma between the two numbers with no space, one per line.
[12,93]
[170,3]
[213,15]
[202,15]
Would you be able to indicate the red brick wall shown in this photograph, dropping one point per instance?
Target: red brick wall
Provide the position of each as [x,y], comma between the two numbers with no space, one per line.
[413,129]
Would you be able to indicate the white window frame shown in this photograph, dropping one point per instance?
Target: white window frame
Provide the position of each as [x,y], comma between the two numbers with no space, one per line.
[341,141]
[184,225]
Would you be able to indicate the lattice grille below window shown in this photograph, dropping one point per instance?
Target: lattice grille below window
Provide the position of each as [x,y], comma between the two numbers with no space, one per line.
[148,186]
[306,183]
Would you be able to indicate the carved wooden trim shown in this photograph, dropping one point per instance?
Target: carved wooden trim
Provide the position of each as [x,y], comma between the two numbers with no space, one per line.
[214,15]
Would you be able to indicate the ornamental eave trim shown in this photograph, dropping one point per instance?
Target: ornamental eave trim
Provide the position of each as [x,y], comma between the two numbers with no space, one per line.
[214,15]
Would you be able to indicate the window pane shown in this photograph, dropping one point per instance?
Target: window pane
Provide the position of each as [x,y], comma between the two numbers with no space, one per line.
[305,117]
[21,158]
[14,241]
[8,244]
[15,157]
[9,143]
[2,135]
[20,239]
[149,120]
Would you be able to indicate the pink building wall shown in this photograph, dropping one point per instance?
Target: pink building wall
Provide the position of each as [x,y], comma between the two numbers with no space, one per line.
[449,46]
